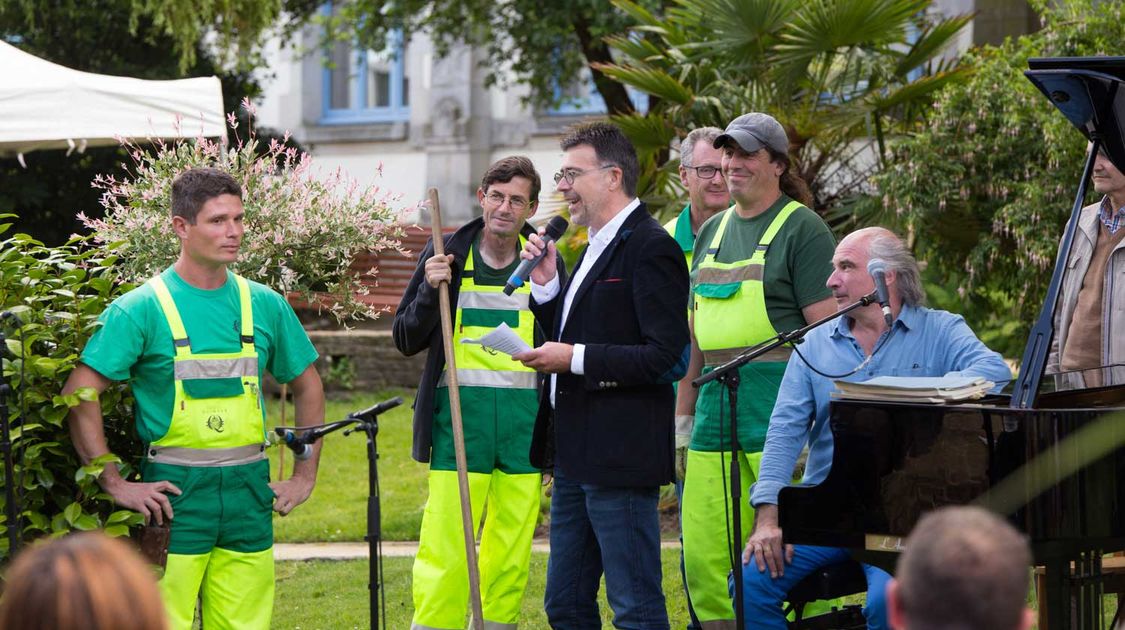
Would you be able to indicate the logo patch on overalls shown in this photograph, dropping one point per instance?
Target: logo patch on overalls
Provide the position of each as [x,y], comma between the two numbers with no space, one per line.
[215,423]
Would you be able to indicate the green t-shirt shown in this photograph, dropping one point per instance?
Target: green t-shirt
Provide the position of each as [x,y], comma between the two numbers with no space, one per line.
[134,342]
[798,262]
[487,276]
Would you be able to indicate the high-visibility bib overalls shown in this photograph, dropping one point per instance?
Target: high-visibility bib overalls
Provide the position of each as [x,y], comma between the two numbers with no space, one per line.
[499,400]
[730,316]
[214,451]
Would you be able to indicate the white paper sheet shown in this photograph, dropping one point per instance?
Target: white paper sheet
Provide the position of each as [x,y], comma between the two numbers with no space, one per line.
[502,339]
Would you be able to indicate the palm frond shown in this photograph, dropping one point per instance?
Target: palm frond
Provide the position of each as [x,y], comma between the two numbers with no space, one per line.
[918,92]
[741,27]
[827,26]
[640,50]
[640,15]
[650,80]
[931,42]
[650,133]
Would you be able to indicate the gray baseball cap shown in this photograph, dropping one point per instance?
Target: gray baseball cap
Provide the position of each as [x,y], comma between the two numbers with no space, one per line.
[753,131]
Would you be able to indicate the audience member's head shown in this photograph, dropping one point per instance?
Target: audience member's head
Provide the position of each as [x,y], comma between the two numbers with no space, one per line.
[964,568]
[85,581]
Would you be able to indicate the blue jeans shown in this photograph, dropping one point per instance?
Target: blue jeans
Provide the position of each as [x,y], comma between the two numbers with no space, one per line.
[763,595]
[601,528]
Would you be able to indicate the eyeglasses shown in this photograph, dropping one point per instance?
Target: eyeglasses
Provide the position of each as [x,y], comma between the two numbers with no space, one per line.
[497,199]
[570,174]
[704,172]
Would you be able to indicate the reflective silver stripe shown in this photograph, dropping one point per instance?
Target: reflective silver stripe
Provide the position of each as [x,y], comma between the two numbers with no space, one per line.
[493,301]
[216,368]
[492,378]
[716,275]
[206,457]
[712,358]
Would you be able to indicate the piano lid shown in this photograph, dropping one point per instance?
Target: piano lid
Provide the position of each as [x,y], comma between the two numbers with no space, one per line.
[1087,91]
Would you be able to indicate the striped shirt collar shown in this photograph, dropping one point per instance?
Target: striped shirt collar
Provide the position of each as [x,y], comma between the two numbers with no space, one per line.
[1112,220]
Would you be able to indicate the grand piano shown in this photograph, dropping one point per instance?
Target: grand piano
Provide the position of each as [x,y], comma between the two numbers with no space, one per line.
[1048,455]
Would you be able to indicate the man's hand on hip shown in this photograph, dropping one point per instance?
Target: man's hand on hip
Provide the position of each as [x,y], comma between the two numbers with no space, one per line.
[150,499]
[765,545]
[552,357]
[291,493]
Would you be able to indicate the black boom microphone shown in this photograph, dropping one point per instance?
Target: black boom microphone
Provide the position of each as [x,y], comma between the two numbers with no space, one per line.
[377,409]
[301,443]
[555,229]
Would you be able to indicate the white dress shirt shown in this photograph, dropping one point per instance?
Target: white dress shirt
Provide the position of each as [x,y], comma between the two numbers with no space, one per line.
[598,241]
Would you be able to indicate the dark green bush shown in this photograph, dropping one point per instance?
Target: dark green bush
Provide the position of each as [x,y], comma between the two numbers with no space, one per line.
[57,293]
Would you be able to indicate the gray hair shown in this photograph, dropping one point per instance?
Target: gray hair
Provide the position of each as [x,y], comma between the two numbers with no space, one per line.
[687,145]
[888,247]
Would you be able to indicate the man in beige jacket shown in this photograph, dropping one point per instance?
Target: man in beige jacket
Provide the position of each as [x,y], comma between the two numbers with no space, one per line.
[1089,331]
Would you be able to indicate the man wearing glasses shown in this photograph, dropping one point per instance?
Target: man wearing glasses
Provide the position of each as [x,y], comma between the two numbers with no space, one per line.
[619,342]
[701,173]
[1090,319]
[499,400]
[761,269]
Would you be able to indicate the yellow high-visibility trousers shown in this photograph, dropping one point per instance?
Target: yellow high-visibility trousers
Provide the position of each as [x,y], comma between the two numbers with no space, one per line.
[441,576]
[237,589]
[706,517]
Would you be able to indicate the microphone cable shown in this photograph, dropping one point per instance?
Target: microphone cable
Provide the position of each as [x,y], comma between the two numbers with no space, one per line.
[866,361]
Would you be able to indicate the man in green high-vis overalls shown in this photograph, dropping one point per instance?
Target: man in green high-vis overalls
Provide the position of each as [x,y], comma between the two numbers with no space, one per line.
[193,343]
[759,268]
[701,173]
[499,400]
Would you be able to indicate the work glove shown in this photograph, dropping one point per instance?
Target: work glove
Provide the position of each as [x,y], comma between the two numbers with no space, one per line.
[681,463]
[684,426]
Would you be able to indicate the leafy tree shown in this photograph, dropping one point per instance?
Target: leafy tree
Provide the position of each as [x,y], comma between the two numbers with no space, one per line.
[236,27]
[986,187]
[842,76]
[543,45]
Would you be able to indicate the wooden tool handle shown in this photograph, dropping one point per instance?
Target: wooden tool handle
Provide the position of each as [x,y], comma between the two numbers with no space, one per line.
[458,426]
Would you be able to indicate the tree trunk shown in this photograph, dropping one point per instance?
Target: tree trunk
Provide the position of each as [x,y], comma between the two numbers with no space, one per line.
[616,99]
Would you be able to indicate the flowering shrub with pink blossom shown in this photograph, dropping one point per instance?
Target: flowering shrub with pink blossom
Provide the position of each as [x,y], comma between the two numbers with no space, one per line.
[302,229]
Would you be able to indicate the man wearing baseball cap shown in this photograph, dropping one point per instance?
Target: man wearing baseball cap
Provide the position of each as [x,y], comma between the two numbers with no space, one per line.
[759,268]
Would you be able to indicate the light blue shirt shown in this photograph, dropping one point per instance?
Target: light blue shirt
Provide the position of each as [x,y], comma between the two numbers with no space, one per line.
[926,342]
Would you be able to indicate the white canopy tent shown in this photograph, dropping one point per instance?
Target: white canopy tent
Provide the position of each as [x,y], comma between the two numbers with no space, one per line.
[47,106]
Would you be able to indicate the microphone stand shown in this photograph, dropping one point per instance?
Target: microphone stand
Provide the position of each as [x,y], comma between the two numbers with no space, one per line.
[368,422]
[728,375]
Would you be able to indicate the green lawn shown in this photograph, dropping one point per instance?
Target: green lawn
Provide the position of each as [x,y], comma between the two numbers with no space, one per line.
[333,594]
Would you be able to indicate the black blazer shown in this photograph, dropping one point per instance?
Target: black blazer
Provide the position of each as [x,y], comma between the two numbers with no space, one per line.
[613,425]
